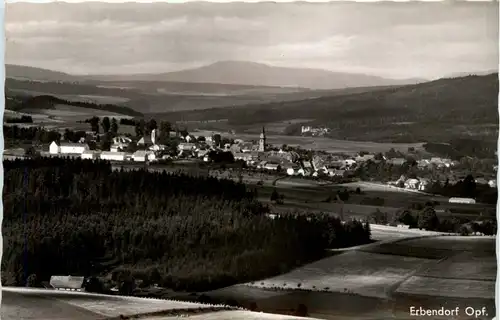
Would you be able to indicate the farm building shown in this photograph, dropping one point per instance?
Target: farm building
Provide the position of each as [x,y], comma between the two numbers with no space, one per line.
[336,173]
[143,155]
[90,155]
[271,166]
[424,184]
[462,200]
[67,283]
[412,183]
[186,146]
[349,162]
[67,148]
[113,156]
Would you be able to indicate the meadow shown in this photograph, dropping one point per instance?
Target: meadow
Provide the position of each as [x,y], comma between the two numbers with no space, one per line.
[374,282]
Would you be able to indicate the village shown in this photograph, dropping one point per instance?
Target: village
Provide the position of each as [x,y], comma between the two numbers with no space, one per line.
[209,147]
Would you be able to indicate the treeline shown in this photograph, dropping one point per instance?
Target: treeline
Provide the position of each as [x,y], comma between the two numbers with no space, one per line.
[49,102]
[21,119]
[32,134]
[466,188]
[458,148]
[427,219]
[79,217]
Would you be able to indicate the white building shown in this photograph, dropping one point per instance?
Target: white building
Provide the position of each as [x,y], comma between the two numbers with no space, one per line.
[116,148]
[90,155]
[271,166]
[54,148]
[349,162]
[424,184]
[67,148]
[113,156]
[462,200]
[67,283]
[492,183]
[142,155]
[412,183]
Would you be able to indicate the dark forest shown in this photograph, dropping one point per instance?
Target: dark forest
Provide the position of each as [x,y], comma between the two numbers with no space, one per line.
[79,217]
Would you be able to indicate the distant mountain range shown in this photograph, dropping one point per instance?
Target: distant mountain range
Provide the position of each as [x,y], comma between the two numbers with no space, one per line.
[227,72]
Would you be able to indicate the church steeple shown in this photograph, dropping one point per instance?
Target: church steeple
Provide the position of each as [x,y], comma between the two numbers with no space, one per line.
[262,140]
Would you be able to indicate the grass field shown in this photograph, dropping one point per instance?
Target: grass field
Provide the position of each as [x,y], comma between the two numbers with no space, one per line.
[382,280]
[97,305]
[354,272]
[444,287]
[233,315]
[330,145]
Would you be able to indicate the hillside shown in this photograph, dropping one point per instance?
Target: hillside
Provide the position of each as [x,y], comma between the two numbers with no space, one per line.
[46,102]
[465,106]
[147,97]
[39,74]
[257,74]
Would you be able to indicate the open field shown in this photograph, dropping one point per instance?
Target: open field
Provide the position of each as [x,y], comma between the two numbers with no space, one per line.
[66,111]
[330,145]
[22,303]
[444,287]
[353,272]
[374,283]
[46,304]
[99,99]
[234,315]
[311,195]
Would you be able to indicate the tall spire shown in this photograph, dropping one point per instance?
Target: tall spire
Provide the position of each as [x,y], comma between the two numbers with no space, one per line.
[262,140]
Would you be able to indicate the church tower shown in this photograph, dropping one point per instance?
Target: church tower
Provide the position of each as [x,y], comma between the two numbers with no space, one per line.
[262,141]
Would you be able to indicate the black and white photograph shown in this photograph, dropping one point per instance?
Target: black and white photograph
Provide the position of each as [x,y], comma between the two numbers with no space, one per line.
[250,160]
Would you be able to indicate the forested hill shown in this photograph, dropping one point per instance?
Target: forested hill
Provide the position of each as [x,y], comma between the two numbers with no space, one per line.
[466,101]
[50,102]
[181,232]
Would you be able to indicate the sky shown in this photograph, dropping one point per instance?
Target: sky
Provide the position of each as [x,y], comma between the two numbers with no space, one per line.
[394,40]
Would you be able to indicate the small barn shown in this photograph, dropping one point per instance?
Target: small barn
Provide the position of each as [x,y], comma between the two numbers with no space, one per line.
[113,156]
[67,283]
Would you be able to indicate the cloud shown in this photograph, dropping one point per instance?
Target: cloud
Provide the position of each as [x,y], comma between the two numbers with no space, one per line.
[398,40]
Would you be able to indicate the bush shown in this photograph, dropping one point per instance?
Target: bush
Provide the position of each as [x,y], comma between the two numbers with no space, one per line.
[378,217]
[428,220]
[405,217]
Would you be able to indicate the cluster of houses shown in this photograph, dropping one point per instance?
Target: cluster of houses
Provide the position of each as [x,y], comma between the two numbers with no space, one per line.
[83,151]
